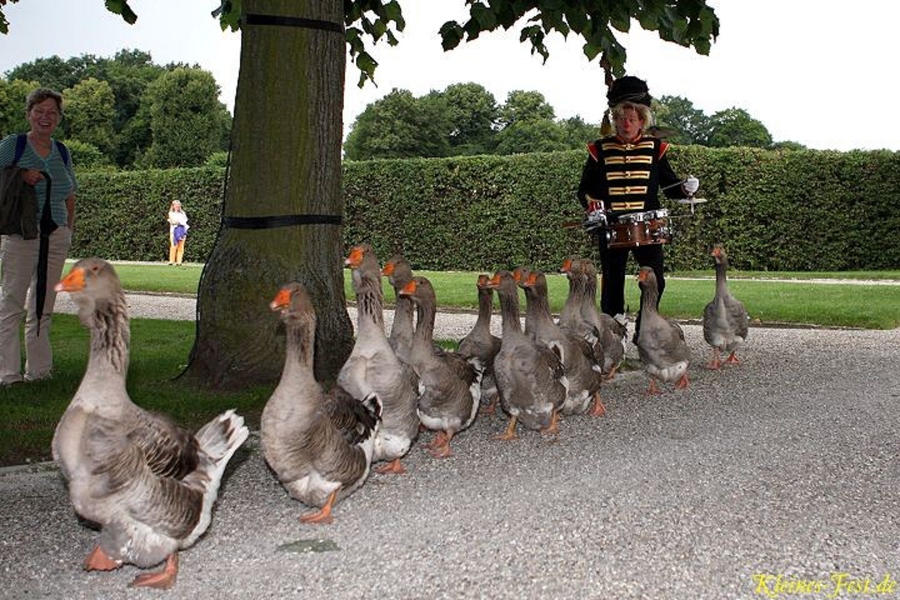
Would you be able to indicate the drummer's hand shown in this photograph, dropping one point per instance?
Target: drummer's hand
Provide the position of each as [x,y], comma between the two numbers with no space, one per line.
[691,185]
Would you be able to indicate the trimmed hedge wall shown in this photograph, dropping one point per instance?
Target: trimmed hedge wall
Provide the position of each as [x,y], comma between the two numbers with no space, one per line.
[780,211]
[124,216]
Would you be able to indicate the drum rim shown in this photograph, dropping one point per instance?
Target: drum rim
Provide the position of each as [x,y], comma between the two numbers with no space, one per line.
[645,215]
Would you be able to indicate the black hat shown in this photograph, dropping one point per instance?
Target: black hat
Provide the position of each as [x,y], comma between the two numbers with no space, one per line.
[629,89]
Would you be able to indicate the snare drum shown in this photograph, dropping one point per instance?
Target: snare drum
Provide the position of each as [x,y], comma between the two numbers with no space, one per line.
[639,229]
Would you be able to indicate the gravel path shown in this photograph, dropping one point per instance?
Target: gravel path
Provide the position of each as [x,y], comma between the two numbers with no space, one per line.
[785,466]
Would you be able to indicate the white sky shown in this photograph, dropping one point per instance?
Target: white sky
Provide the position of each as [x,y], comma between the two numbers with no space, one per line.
[811,71]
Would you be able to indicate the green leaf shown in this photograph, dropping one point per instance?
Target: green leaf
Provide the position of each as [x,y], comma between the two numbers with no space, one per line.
[484,16]
[120,7]
[590,51]
[229,15]
[577,20]
[451,35]
[366,65]
[393,12]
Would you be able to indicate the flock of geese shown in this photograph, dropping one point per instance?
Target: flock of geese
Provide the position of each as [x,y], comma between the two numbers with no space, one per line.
[150,486]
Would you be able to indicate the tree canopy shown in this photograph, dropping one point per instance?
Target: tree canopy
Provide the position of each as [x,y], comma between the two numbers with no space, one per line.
[465,119]
[109,108]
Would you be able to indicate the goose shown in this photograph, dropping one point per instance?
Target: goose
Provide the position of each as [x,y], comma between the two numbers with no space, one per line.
[373,367]
[148,484]
[519,274]
[582,372]
[480,343]
[319,447]
[449,385]
[570,316]
[612,331]
[661,345]
[573,318]
[399,273]
[725,320]
[530,376]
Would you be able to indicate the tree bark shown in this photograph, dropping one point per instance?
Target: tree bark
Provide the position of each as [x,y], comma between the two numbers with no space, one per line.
[285,161]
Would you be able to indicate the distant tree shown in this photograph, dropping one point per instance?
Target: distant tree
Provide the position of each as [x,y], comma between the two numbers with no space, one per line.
[461,120]
[54,72]
[90,114]
[473,114]
[399,125]
[12,105]
[88,156]
[185,117]
[788,145]
[735,127]
[523,106]
[577,133]
[675,112]
[128,75]
[531,135]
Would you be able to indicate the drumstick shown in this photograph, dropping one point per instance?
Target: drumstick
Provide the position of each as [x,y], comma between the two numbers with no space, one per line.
[673,185]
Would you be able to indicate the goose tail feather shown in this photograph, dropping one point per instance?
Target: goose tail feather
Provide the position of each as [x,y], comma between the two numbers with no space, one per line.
[218,440]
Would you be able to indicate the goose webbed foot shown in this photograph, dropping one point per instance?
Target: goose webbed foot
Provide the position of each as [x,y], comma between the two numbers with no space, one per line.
[653,390]
[597,407]
[98,560]
[510,433]
[395,467]
[553,427]
[161,580]
[323,515]
[733,359]
[490,408]
[438,441]
[683,383]
[442,449]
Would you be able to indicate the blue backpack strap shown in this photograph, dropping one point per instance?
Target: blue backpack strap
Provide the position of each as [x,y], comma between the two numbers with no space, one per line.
[21,140]
[63,151]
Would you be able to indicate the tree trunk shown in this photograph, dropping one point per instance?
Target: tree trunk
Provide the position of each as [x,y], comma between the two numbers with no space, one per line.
[286,163]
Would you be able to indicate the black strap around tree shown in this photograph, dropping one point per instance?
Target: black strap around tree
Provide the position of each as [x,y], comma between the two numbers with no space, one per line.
[271,222]
[254,19]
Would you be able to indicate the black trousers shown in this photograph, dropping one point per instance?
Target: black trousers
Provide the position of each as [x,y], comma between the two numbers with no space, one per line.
[612,275]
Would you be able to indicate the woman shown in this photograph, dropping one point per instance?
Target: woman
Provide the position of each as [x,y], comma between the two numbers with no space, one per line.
[624,173]
[177,233]
[43,163]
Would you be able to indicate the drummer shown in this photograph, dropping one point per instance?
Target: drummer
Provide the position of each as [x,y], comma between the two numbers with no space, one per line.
[624,173]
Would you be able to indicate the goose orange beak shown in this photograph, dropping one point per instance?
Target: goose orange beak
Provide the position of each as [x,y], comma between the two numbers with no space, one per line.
[354,259]
[73,282]
[282,299]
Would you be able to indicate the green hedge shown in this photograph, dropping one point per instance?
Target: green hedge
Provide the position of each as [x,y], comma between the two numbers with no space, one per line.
[123,215]
[773,210]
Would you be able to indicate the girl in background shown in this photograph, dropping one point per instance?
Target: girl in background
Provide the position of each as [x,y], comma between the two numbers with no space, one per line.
[177,233]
